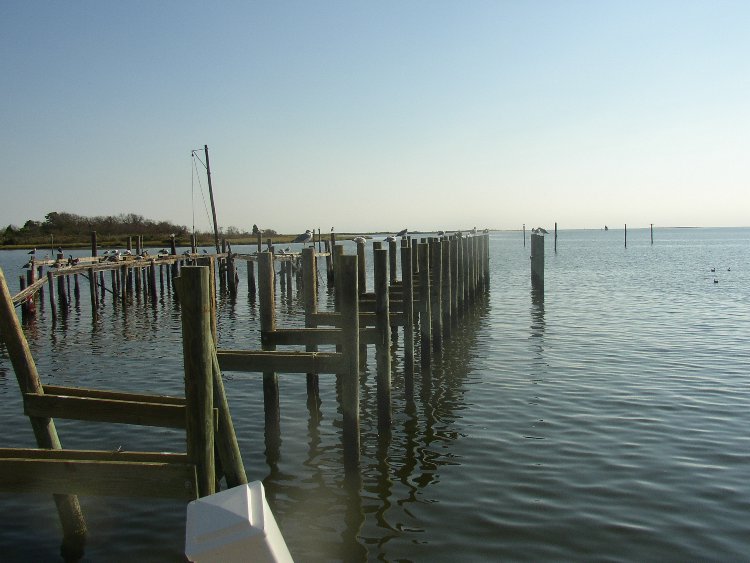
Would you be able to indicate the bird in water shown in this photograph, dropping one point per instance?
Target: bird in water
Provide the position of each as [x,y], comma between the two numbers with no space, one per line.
[716,281]
[713,269]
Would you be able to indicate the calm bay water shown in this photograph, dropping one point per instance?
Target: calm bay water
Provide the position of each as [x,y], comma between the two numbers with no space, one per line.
[607,422]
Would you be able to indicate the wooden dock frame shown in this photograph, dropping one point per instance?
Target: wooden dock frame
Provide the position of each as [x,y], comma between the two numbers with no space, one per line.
[67,473]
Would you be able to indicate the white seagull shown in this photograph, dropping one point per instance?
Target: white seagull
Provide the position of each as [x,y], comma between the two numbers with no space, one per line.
[305,237]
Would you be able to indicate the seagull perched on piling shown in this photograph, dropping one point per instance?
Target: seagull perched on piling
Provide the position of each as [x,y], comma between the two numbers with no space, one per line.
[390,238]
[359,240]
[32,251]
[305,237]
[539,231]
[402,233]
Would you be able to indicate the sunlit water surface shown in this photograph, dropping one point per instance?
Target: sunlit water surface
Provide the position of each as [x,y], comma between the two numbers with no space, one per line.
[607,422]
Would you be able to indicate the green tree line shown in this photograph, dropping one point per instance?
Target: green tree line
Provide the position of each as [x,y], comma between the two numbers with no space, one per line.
[72,229]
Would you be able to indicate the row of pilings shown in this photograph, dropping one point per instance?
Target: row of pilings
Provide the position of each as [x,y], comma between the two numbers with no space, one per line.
[439,279]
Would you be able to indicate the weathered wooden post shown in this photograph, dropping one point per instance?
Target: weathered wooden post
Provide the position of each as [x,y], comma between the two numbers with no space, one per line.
[332,273]
[152,276]
[197,352]
[124,286]
[251,288]
[267,287]
[537,262]
[346,274]
[652,233]
[68,508]
[361,267]
[445,247]
[425,312]
[436,290]
[626,235]
[524,235]
[52,304]
[338,251]
[407,277]
[94,296]
[383,348]
[392,260]
[310,300]
[555,236]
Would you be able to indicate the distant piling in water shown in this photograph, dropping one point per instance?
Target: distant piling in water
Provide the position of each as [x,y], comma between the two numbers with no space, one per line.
[652,233]
[555,236]
[537,262]
[626,235]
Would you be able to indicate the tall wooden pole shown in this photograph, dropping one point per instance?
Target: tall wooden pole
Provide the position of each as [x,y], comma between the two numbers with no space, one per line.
[68,508]
[211,196]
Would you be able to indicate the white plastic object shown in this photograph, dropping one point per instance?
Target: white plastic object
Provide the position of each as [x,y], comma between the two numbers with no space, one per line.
[234,525]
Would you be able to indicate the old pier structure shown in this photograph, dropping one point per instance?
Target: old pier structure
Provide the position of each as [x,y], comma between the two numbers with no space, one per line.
[421,286]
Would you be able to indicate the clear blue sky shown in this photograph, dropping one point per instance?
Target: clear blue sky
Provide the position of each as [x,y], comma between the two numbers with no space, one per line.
[379,115]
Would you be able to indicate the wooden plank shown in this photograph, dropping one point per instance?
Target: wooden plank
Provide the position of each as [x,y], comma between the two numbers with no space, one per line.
[315,336]
[365,319]
[302,336]
[116,395]
[104,410]
[108,478]
[93,455]
[273,361]
[19,297]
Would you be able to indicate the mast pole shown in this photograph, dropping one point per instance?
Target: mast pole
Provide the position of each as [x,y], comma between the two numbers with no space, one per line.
[211,195]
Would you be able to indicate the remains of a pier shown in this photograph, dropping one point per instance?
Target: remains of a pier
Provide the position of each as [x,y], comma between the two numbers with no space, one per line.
[440,279]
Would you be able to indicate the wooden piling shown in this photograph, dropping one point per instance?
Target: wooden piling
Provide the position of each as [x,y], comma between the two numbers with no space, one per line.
[329,263]
[310,300]
[68,508]
[445,247]
[626,235]
[266,287]
[251,288]
[52,305]
[197,350]
[383,347]
[425,312]
[652,233]
[407,277]
[94,296]
[392,261]
[361,273]
[555,236]
[436,289]
[537,262]
[346,286]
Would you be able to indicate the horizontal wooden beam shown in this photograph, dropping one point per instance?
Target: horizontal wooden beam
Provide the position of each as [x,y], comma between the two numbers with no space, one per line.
[94,477]
[317,336]
[29,291]
[300,336]
[365,319]
[93,455]
[284,362]
[105,410]
[115,395]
